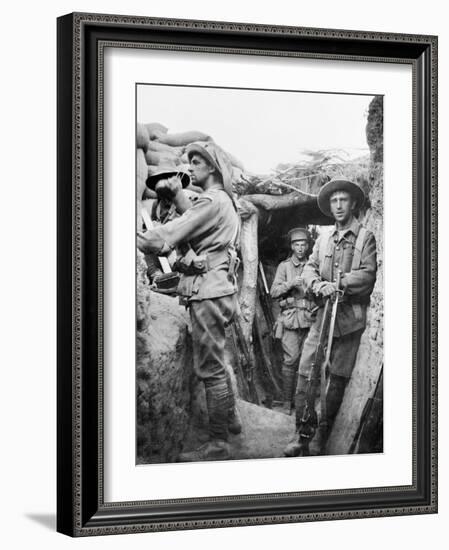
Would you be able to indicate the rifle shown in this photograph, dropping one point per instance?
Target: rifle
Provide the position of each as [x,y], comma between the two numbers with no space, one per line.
[321,363]
[367,413]
[248,361]
[266,360]
[264,295]
[325,366]
[241,364]
[260,335]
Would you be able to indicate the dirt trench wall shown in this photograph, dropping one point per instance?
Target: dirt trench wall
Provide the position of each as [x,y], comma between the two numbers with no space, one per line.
[164,373]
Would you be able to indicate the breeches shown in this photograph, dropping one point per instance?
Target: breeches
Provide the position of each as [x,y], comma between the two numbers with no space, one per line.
[292,343]
[209,319]
[343,354]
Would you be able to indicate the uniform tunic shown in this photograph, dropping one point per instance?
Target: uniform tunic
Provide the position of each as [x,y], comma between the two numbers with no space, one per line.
[357,285]
[163,211]
[295,318]
[210,227]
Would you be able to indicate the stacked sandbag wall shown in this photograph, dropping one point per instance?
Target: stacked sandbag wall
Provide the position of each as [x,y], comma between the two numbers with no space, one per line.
[157,147]
[164,371]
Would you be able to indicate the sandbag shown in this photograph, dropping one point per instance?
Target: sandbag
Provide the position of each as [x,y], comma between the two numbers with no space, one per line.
[156,130]
[154,169]
[142,137]
[146,204]
[236,174]
[183,138]
[184,166]
[158,147]
[235,161]
[162,157]
[142,174]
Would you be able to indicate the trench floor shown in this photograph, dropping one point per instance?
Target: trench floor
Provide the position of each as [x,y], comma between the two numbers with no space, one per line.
[265,433]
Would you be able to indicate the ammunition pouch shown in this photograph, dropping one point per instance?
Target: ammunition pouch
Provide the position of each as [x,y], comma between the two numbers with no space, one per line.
[295,312]
[194,264]
[287,303]
[234,263]
[346,299]
[278,329]
[191,265]
[297,303]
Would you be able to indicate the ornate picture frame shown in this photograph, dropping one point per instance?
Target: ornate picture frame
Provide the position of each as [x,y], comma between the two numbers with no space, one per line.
[81,508]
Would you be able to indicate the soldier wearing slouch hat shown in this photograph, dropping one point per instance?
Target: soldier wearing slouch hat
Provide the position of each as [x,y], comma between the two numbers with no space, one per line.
[348,249]
[206,235]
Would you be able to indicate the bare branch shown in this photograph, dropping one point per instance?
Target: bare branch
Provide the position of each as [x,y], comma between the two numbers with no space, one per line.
[276,202]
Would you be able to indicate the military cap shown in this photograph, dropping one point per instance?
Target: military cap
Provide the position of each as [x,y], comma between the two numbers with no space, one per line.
[167,171]
[339,184]
[298,234]
[217,158]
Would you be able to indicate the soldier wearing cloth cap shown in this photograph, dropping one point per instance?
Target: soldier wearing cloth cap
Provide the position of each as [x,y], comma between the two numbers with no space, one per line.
[206,235]
[297,309]
[350,249]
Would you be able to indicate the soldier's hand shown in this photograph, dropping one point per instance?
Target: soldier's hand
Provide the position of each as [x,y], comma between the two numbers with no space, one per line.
[143,244]
[149,242]
[297,282]
[329,289]
[153,277]
[168,188]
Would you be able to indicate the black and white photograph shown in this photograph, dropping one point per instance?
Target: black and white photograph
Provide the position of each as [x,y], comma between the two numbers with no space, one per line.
[224,333]
[259,273]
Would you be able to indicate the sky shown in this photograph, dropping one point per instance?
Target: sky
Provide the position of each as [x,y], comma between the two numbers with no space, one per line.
[262,128]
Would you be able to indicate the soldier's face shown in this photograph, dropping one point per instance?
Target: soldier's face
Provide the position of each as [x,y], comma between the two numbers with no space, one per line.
[300,248]
[341,206]
[199,170]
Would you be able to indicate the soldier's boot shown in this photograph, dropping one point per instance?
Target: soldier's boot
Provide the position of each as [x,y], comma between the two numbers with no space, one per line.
[234,418]
[294,446]
[215,449]
[298,444]
[288,380]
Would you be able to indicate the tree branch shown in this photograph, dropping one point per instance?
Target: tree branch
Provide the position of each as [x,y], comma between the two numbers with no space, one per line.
[277,202]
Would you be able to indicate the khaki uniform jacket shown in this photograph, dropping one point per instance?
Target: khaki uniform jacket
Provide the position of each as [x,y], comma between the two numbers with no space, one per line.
[211,227]
[161,212]
[357,284]
[301,312]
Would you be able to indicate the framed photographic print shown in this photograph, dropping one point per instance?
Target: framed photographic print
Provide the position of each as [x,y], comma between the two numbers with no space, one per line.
[246,274]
